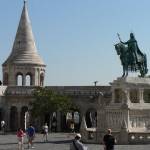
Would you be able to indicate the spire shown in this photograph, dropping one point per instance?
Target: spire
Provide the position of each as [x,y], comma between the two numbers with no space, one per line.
[24,49]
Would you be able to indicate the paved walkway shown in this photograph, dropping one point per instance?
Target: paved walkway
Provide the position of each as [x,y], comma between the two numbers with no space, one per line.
[58,141]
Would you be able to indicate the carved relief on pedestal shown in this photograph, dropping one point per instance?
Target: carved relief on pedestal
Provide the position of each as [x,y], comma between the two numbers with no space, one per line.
[134,96]
[118,95]
[146,95]
[139,119]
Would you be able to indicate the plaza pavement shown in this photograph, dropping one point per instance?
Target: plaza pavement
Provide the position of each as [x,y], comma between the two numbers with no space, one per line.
[58,141]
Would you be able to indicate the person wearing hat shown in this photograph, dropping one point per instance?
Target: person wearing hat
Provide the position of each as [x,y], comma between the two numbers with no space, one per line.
[76,144]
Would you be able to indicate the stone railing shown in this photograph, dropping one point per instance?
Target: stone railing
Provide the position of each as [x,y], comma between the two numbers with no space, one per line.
[91,136]
[139,138]
[19,90]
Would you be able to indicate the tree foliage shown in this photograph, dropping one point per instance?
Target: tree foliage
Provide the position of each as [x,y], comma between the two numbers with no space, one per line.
[47,101]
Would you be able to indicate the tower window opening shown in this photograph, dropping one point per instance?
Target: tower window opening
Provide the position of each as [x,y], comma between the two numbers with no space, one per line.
[19,79]
[28,80]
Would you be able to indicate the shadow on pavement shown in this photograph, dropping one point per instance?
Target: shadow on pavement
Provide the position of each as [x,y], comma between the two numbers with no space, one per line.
[8,143]
[55,142]
[39,142]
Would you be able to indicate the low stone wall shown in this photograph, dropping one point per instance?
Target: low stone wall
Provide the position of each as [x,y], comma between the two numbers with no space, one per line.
[139,138]
[122,138]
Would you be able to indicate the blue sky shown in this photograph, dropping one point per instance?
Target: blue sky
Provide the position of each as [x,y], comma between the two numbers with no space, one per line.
[76,38]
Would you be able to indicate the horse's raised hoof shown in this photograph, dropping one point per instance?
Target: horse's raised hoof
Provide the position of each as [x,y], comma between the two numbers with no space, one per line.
[123,76]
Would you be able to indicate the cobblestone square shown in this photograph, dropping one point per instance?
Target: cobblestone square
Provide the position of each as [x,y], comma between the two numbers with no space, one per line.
[58,141]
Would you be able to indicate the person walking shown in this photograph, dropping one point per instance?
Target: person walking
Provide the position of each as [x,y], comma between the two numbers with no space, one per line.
[109,140]
[3,125]
[30,135]
[45,132]
[72,126]
[76,144]
[20,136]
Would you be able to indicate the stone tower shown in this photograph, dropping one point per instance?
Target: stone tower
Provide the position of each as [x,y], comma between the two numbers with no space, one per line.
[24,66]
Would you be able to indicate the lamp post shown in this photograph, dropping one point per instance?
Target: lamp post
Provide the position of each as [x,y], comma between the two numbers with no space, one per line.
[95,83]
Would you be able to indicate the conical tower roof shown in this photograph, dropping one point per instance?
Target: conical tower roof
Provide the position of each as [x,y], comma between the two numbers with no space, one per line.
[24,49]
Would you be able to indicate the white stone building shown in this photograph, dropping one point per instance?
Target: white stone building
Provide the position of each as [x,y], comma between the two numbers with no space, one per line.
[123,106]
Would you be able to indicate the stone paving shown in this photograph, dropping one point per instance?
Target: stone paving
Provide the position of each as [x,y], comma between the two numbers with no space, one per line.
[58,141]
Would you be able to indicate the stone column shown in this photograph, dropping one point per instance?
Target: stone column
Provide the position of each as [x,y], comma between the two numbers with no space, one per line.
[123,139]
[141,96]
[33,72]
[83,129]
[23,79]
[101,120]
[127,96]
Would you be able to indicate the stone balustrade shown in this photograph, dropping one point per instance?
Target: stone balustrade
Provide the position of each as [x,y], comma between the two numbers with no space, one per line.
[19,90]
[132,137]
[139,138]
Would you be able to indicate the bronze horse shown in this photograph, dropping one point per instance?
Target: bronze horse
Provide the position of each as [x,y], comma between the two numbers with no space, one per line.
[129,62]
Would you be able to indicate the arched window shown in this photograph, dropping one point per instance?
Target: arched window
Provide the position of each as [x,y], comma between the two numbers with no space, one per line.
[28,79]
[19,79]
[73,120]
[91,118]
[5,79]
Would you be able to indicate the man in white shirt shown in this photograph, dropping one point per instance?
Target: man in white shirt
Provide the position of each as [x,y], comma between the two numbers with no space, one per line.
[45,132]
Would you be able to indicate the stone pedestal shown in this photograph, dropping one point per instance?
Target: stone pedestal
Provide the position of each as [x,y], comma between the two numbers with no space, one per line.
[131,97]
[127,113]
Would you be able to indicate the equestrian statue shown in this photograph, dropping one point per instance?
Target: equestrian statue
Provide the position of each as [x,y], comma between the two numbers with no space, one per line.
[132,59]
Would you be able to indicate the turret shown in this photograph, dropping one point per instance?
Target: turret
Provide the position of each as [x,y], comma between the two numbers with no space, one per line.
[24,65]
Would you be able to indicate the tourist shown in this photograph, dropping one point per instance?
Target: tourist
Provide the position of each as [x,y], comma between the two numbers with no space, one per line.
[30,135]
[72,126]
[20,136]
[76,144]
[3,125]
[109,140]
[45,132]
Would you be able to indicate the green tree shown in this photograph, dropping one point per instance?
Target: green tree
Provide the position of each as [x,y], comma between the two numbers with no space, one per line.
[47,101]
